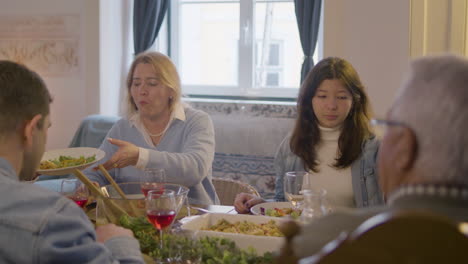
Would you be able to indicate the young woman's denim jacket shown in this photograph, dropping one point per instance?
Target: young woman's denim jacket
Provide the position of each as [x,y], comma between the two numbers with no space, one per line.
[363,172]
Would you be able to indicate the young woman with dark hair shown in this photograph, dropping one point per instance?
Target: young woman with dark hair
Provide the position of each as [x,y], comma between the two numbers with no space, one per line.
[331,139]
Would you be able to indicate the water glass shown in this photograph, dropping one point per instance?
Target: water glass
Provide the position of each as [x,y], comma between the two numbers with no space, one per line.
[314,205]
[294,183]
[184,247]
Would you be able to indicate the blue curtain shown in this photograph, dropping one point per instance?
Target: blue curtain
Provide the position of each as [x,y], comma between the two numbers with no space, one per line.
[308,20]
[148,16]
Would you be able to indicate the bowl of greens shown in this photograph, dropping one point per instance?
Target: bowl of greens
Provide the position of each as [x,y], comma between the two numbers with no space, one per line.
[134,205]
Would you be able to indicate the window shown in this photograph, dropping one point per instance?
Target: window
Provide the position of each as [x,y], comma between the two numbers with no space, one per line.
[246,48]
[268,64]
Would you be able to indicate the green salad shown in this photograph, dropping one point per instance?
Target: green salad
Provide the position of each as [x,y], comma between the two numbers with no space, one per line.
[280,212]
[214,250]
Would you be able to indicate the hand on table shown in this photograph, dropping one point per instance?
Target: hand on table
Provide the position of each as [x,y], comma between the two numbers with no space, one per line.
[106,232]
[126,155]
[244,201]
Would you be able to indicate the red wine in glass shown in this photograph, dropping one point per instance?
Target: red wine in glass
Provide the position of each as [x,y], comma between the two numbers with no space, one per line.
[75,191]
[150,186]
[161,209]
[80,201]
[160,219]
[152,179]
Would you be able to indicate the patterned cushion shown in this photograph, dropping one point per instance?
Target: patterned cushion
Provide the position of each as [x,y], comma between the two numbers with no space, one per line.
[257,171]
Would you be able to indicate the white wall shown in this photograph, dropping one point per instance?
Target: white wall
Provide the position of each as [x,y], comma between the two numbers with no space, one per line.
[74,96]
[116,52]
[379,37]
[374,36]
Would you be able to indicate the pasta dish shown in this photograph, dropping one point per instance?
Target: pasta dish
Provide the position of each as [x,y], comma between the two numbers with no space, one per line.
[248,228]
[65,161]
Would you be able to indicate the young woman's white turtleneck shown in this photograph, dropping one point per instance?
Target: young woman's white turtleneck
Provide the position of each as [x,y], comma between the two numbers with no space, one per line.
[337,182]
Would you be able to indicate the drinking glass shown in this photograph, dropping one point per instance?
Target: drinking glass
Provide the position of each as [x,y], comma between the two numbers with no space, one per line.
[314,205]
[152,179]
[184,247]
[161,209]
[75,190]
[294,183]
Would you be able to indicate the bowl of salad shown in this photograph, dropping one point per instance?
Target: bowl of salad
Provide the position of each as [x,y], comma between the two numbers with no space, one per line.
[276,209]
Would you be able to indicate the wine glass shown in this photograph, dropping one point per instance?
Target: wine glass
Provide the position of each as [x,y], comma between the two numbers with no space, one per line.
[152,179]
[294,183]
[161,208]
[75,190]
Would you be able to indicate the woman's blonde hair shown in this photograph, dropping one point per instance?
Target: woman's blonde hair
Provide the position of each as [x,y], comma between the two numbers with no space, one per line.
[164,69]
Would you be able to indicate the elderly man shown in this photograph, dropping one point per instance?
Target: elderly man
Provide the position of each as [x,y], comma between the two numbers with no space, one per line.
[422,159]
[39,226]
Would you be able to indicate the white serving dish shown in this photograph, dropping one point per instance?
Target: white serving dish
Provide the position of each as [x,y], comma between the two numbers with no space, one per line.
[261,244]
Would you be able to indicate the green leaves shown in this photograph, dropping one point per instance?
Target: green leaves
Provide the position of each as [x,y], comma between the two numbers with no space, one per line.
[214,250]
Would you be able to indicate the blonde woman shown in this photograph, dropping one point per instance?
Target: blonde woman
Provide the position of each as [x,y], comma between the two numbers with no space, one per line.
[160,132]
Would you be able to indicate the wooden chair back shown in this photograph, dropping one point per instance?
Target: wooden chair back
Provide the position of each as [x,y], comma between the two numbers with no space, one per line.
[227,189]
[398,237]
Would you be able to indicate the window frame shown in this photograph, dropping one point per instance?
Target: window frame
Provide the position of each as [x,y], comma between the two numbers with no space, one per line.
[245,88]
[278,69]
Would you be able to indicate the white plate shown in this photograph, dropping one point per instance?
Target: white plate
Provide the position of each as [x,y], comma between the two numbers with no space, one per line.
[257,211]
[73,152]
[261,244]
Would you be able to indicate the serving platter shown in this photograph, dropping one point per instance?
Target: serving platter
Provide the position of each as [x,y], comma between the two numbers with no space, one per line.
[72,152]
[261,244]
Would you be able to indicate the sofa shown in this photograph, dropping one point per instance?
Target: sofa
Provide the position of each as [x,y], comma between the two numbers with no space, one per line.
[247,135]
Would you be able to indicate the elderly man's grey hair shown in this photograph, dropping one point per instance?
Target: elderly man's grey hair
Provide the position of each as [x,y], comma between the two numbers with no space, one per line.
[434,103]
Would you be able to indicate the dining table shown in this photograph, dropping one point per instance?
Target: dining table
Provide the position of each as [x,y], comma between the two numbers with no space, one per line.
[191,213]
[224,209]
[186,213]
